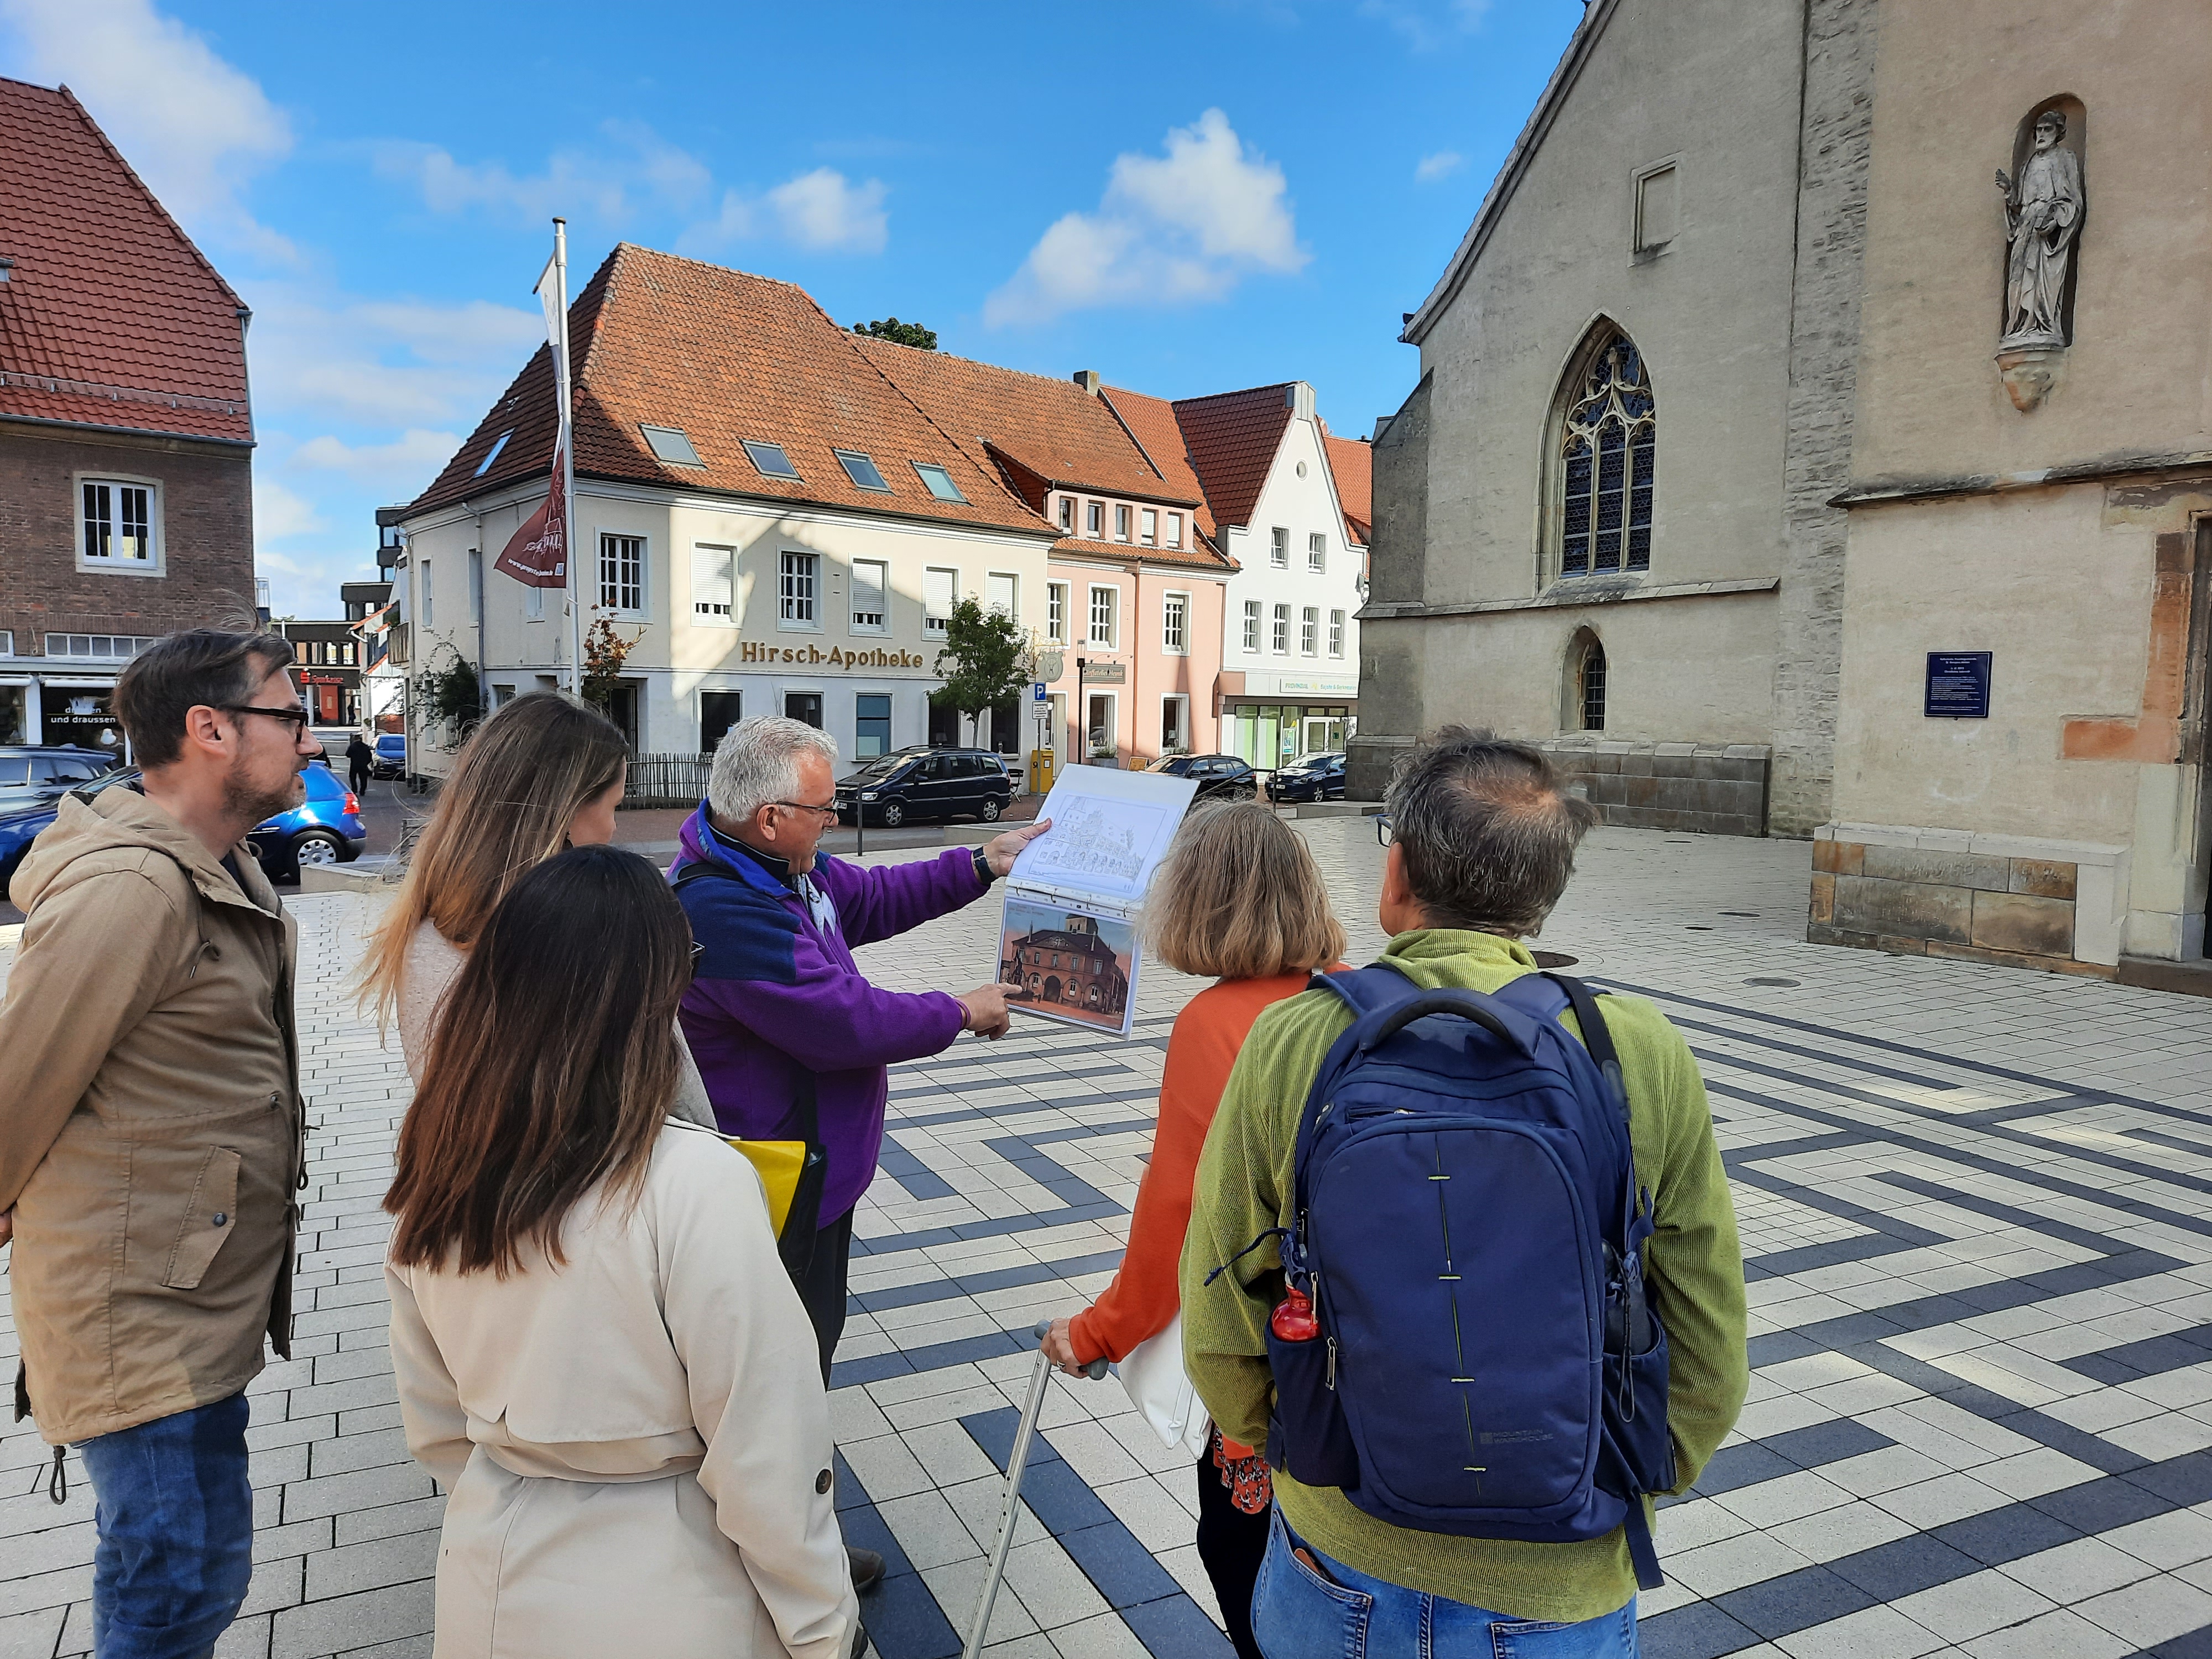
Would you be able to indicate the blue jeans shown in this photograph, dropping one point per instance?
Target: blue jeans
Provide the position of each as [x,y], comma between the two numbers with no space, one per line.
[1298,1614]
[175,1514]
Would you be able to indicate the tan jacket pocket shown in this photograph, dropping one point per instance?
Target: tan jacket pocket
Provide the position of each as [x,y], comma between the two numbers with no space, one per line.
[210,1218]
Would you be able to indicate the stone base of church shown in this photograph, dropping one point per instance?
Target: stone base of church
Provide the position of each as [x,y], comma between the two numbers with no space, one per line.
[2017,901]
[1707,789]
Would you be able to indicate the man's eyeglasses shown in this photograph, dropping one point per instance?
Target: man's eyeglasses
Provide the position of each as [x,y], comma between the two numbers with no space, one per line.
[827,812]
[296,717]
[1384,829]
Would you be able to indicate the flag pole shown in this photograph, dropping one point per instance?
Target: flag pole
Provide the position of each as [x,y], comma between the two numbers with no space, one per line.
[565,450]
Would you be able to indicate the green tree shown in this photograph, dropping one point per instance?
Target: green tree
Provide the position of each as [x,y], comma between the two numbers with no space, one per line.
[899,333]
[605,654]
[985,659]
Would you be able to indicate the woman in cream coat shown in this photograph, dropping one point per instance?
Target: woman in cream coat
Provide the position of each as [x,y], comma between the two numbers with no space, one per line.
[543,774]
[597,1351]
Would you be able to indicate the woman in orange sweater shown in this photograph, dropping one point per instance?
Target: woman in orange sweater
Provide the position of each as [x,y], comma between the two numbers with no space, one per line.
[1239,898]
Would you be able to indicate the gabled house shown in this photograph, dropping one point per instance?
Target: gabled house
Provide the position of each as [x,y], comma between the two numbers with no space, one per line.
[127,437]
[1132,601]
[771,523]
[1290,655]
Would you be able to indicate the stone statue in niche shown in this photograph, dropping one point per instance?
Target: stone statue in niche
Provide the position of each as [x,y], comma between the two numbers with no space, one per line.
[2043,212]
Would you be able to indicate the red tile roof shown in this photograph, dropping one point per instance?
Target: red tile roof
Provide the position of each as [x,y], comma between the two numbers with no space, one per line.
[1053,429]
[1151,420]
[1352,463]
[1045,435]
[663,340]
[1231,439]
[110,316]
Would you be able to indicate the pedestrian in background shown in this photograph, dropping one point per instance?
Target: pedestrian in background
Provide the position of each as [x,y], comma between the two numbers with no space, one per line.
[151,1132]
[598,1354]
[361,763]
[1482,842]
[1239,899]
[780,1017]
[542,775]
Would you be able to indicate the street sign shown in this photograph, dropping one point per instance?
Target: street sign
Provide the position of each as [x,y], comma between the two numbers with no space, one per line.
[1036,691]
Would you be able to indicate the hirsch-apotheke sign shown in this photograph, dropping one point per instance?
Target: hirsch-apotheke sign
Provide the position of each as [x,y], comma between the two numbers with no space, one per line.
[813,656]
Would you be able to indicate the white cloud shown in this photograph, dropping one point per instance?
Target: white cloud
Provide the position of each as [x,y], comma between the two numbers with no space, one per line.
[821,210]
[196,128]
[1170,229]
[1425,26]
[1442,165]
[635,168]
[409,461]
[330,359]
[279,513]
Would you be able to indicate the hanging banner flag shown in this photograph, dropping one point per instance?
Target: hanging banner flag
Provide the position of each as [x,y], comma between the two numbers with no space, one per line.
[537,555]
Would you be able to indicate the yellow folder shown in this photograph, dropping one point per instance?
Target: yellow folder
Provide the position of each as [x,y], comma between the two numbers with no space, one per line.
[780,1163]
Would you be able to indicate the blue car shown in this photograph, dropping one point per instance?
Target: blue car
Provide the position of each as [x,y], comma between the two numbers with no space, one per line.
[390,760]
[325,829]
[21,824]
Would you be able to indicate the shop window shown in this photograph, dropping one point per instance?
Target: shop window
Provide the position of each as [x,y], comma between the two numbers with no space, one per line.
[871,725]
[718,712]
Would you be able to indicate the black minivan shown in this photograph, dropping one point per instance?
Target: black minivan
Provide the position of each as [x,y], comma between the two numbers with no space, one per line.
[913,784]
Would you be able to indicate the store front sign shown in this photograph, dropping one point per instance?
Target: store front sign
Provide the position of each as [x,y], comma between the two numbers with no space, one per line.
[1318,688]
[813,656]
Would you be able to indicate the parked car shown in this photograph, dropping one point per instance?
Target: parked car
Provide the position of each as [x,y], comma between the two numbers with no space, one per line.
[20,825]
[390,756]
[913,784]
[1309,777]
[34,774]
[325,829]
[1220,777]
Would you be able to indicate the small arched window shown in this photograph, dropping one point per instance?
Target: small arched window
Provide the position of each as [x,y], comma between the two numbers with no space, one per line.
[1590,684]
[1608,436]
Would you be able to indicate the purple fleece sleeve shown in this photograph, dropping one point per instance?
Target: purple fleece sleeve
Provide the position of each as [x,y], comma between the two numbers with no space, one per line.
[828,1018]
[878,901]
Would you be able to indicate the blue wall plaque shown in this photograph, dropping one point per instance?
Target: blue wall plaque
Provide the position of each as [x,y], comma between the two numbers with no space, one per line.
[1958,685]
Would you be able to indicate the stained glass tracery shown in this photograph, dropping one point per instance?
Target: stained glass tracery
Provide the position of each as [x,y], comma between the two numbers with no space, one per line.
[1607,452]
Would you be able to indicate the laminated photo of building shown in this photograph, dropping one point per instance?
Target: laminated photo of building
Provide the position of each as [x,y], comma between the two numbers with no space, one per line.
[1072,964]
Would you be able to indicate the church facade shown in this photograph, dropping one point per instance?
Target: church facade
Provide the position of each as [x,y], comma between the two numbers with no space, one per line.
[1815,438]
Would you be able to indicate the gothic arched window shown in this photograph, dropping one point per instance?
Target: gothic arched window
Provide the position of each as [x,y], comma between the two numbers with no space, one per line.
[1607,447]
[1590,683]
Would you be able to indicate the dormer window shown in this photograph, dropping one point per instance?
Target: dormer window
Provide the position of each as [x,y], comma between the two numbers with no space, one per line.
[670,445]
[939,481]
[861,471]
[770,460]
[484,465]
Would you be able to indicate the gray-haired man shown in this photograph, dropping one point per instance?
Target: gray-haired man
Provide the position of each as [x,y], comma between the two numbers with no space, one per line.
[776,1002]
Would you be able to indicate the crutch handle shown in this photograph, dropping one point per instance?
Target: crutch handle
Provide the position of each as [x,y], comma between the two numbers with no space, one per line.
[1094,1371]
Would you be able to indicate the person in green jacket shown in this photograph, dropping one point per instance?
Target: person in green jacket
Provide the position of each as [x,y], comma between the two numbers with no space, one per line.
[1481,835]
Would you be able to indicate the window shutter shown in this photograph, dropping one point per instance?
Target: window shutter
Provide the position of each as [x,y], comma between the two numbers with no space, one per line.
[868,592]
[1001,589]
[937,594]
[711,581]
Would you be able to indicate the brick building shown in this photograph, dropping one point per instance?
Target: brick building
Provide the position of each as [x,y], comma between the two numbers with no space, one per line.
[126,441]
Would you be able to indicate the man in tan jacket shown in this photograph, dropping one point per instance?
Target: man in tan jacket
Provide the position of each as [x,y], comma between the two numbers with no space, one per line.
[151,1131]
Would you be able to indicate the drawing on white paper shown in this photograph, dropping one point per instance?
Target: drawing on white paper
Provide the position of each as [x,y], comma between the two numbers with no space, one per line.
[1096,843]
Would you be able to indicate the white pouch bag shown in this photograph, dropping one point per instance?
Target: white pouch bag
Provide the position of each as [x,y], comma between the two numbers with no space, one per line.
[1152,1377]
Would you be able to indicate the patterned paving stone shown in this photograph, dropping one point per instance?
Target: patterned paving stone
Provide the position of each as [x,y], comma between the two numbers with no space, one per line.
[1976,1210]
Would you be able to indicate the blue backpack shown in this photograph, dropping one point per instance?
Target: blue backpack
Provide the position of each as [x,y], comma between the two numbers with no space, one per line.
[1469,1226]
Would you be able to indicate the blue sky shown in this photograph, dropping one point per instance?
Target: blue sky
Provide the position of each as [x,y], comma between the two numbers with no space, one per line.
[1188,197]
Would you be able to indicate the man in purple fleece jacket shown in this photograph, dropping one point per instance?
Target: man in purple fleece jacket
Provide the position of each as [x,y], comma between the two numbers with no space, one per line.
[775,995]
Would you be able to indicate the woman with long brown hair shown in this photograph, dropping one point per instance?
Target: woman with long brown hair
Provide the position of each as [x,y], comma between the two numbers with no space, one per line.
[597,1352]
[1241,900]
[543,774]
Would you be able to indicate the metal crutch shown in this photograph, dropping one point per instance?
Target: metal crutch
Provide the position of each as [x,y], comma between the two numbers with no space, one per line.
[1040,1373]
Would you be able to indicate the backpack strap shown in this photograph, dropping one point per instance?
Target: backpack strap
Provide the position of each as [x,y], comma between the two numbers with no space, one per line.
[1595,1037]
